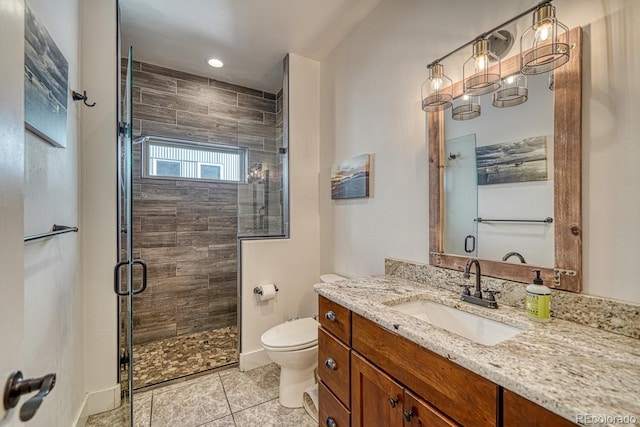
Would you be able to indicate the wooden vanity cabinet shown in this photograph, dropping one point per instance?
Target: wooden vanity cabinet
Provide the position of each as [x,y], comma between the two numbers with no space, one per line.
[379,400]
[462,395]
[378,378]
[520,412]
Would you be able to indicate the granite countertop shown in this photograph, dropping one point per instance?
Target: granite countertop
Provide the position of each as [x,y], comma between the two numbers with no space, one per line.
[565,367]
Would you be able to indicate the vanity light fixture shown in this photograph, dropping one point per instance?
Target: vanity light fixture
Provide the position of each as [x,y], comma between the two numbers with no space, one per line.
[214,62]
[467,108]
[437,90]
[545,45]
[513,91]
[481,72]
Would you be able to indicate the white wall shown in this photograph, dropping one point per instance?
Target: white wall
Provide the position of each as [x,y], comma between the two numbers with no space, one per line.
[370,102]
[11,194]
[292,264]
[98,193]
[53,323]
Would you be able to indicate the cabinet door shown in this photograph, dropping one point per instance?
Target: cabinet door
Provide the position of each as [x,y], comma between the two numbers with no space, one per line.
[418,413]
[376,399]
[520,412]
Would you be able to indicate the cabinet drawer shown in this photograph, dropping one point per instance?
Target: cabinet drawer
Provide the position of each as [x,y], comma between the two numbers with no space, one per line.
[423,414]
[520,412]
[331,408]
[463,395]
[334,366]
[335,319]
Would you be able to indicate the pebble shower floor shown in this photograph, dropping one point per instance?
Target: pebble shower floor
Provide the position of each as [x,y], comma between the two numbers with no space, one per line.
[158,361]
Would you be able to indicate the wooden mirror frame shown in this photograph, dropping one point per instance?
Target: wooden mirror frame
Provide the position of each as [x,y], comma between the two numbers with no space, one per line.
[567,203]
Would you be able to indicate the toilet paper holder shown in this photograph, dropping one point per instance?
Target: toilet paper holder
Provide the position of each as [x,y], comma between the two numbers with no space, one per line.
[258,290]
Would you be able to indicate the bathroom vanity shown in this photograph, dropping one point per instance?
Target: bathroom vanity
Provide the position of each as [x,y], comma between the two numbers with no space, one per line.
[381,366]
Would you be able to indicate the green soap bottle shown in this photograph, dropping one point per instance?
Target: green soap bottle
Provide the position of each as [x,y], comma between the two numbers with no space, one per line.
[538,302]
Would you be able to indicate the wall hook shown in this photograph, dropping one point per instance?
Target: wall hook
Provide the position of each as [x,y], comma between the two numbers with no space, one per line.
[81,97]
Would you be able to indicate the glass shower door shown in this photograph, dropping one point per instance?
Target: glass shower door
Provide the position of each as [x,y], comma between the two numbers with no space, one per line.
[124,285]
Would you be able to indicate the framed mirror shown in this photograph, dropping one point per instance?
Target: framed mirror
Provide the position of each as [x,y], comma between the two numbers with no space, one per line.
[566,172]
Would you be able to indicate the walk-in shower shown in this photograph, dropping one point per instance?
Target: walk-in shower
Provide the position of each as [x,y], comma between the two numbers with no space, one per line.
[209,167]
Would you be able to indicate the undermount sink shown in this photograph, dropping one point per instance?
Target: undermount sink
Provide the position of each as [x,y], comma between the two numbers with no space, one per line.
[475,328]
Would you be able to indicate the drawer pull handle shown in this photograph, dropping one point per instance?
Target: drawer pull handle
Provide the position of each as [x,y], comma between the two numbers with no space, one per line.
[393,401]
[408,415]
[331,364]
[331,422]
[330,316]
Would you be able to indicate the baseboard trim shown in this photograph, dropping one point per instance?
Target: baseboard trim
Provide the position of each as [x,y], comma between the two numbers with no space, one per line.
[96,402]
[253,359]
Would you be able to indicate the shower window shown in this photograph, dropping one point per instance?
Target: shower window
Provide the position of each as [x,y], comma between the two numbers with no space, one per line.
[209,171]
[164,158]
[165,168]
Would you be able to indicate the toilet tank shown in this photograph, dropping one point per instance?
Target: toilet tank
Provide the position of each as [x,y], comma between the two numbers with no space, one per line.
[331,278]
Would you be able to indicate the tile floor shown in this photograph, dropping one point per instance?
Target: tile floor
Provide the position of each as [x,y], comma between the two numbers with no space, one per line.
[169,358]
[227,398]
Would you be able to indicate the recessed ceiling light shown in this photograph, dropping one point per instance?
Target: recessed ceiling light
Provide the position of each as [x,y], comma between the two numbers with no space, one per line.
[214,62]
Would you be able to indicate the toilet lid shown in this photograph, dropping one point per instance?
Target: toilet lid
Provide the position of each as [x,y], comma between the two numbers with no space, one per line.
[296,333]
[331,278]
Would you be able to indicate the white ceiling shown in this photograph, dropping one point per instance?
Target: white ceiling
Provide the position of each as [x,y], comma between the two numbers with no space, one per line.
[250,36]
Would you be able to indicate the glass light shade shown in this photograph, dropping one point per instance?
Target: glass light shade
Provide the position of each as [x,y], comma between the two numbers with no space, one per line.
[437,90]
[481,72]
[467,108]
[512,92]
[545,45]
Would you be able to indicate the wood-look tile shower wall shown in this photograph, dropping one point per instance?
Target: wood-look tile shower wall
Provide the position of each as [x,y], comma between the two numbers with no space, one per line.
[187,231]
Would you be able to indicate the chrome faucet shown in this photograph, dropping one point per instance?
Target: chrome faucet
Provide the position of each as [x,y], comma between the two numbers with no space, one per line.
[476,298]
[515,254]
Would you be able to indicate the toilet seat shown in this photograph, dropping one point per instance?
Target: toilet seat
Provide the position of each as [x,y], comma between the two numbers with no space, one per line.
[290,336]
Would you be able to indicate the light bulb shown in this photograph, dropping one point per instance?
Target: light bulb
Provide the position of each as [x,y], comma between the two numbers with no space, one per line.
[481,62]
[465,97]
[510,80]
[436,84]
[544,30]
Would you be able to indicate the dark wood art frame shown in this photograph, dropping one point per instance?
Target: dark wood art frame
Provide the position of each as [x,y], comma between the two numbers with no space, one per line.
[567,104]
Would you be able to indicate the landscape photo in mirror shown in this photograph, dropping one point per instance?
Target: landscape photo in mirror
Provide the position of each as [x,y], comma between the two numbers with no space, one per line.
[350,178]
[518,161]
[45,84]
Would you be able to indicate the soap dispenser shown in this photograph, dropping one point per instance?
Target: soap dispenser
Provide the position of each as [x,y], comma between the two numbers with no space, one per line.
[538,302]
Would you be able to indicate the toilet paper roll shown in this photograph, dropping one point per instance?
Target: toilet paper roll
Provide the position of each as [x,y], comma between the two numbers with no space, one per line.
[268,292]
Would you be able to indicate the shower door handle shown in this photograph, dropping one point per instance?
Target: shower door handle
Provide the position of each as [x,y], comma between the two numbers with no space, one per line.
[144,276]
[116,278]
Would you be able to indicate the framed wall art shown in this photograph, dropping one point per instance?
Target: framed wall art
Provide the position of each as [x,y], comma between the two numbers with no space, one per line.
[350,178]
[46,81]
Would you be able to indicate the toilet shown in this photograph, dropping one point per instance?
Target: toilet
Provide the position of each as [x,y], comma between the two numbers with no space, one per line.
[293,345]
